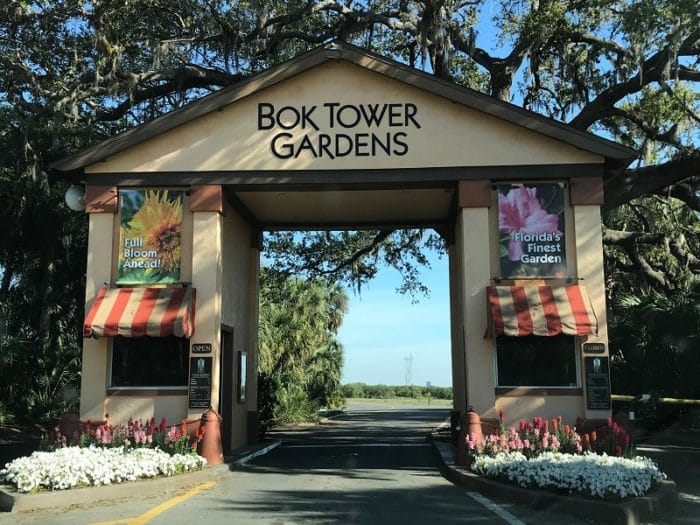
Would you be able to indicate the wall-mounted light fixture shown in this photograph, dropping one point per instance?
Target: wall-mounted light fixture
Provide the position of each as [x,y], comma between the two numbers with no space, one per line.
[75,198]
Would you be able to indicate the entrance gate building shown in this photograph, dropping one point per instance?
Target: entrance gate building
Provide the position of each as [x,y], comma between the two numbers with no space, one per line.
[341,138]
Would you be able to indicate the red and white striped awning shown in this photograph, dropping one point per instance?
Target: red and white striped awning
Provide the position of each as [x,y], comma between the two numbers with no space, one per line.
[541,310]
[135,312]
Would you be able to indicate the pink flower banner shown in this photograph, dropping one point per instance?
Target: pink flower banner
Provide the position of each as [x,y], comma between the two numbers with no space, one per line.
[531,228]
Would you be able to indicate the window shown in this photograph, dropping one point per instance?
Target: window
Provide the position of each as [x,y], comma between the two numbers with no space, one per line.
[535,361]
[149,362]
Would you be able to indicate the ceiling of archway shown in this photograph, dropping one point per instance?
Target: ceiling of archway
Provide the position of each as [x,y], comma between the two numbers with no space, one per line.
[346,209]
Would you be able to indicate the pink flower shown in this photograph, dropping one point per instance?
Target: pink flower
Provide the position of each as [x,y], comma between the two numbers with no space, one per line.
[519,211]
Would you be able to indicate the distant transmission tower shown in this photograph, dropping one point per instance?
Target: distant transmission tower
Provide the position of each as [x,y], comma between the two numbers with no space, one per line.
[409,369]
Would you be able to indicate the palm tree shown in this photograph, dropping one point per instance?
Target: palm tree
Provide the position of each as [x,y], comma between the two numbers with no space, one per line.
[300,359]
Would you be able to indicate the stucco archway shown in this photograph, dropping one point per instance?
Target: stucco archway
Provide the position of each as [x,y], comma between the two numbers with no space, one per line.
[342,138]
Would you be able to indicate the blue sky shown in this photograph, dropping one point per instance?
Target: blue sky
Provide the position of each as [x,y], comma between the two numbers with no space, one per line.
[382,327]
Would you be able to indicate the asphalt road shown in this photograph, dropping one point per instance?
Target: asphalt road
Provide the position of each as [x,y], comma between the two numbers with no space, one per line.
[370,465]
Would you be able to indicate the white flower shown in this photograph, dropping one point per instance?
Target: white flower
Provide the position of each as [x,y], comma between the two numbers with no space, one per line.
[73,466]
[590,474]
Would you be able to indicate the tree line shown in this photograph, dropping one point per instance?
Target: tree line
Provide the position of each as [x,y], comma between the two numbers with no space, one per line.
[364,391]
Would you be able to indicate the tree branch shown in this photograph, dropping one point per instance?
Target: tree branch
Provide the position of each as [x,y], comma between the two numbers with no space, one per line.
[679,249]
[626,238]
[178,80]
[652,70]
[634,183]
[685,191]
[357,255]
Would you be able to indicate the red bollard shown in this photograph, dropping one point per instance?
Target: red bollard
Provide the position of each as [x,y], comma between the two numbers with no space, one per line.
[474,427]
[210,447]
[470,427]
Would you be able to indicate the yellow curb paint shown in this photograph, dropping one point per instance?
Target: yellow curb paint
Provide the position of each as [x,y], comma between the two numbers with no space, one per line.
[155,511]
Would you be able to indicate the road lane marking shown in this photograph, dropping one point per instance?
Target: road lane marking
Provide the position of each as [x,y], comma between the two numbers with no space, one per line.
[688,497]
[496,509]
[159,509]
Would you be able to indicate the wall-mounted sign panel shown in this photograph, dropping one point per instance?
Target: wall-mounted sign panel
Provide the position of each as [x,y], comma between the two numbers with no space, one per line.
[150,236]
[531,227]
[597,383]
[200,382]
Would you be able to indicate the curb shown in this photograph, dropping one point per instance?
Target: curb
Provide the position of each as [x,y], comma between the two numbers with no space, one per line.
[654,505]
[17,502]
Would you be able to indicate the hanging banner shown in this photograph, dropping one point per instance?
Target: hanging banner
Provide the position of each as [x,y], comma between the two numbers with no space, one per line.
[531,227]
[150,234]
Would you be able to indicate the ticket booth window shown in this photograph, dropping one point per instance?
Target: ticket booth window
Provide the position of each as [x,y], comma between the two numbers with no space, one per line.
[149,362]
[536,361]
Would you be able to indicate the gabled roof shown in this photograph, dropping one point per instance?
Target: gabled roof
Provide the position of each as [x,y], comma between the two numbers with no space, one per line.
[617,156]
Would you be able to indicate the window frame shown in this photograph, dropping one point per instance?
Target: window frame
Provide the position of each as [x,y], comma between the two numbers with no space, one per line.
[541,388]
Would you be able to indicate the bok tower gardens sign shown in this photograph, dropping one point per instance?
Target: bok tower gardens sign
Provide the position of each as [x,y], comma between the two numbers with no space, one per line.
[340,138]
[336,124]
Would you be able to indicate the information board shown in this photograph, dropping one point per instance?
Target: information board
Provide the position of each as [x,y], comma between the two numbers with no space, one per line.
[200,382]
[597,383]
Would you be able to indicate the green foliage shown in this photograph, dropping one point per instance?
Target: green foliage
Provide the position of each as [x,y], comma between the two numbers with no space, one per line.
[668,234]
[362,390]
[300,359]
[654,340]
[4,415]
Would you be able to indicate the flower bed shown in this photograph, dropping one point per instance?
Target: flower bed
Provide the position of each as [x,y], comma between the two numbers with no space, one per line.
[71,467]
[548,454]
[588,474]
[104,454]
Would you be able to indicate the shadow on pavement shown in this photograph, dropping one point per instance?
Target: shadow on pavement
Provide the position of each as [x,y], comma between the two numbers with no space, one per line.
[419,505]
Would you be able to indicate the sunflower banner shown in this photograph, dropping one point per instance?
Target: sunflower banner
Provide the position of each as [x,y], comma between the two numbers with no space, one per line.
[531,227]
[150,234]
